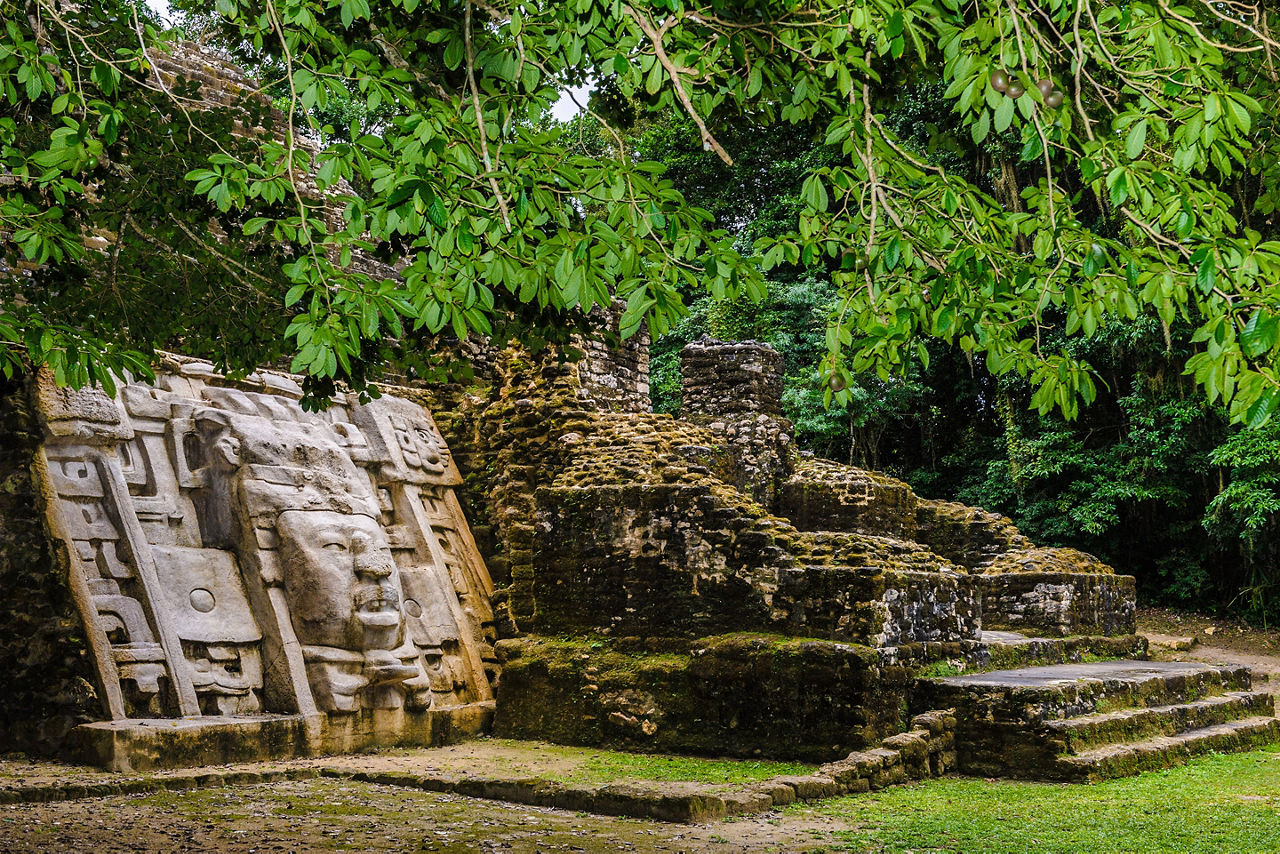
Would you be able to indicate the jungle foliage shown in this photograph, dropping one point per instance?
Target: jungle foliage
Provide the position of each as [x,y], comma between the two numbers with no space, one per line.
[1136,143]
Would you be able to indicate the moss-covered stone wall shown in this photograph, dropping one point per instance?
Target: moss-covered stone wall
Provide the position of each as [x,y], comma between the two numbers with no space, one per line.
[680,560]
[44,661]
[734,695]
[825,496]
[633,549]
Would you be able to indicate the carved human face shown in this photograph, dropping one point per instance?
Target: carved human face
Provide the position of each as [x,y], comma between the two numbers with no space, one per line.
[340,580]
[421,446]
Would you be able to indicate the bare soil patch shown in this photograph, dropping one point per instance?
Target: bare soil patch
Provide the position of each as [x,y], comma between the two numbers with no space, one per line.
[343,815]
[1215,641]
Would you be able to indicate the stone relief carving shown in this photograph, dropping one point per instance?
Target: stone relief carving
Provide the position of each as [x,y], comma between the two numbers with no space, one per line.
[232,554]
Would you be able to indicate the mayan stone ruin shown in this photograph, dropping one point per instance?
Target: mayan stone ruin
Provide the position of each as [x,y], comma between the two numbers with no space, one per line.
[199,571]
[223,576]
[263,578]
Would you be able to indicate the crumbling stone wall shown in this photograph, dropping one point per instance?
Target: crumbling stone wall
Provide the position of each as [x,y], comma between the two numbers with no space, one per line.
[1057,604]
[641,533]
[734,695]
[641,524]
[735,391]
[614,374]
[926,750]
[967,535]
[43,653]
[822,495]
[730,378]
[879,607]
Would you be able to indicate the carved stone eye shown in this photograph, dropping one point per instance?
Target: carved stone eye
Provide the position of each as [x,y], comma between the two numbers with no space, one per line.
[202,600]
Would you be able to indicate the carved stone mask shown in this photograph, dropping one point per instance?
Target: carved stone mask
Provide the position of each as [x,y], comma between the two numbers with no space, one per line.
[340,580]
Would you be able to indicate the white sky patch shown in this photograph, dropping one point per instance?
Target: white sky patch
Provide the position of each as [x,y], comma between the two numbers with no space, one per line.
[565,109]
[160,7]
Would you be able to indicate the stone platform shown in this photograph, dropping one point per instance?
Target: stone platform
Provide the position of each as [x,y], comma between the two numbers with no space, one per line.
[1089,721]
[143,745]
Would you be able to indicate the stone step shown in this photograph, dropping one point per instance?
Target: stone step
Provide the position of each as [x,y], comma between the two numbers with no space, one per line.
[1165,751]
[1021,723]
[1086,732]
[1033,695]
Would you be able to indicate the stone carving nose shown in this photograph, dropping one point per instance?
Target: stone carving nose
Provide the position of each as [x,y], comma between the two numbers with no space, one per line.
[370,561]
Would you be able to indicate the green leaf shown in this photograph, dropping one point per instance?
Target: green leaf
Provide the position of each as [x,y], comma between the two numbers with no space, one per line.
[1136,141]
[981,127]
[1258,335]
[1004,115]
[453,52]
[1118,185]
[1206,274]
[1239,114]
[1260,412]
[892,253]
[814,194]
[255,225]
[1212,108]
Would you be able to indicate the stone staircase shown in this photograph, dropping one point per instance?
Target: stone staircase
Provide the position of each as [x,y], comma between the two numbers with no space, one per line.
[1080,722]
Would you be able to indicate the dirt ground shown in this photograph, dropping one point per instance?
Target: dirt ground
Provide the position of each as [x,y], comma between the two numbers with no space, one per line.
[1214,641]
[343,815]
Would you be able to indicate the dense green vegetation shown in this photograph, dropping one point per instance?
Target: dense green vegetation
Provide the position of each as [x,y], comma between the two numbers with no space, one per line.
[1133,144]
[958,222]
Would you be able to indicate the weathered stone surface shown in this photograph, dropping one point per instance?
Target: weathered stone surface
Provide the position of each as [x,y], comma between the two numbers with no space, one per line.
[686,560]
[743,802]
[614,374]
[720,377]
[913,751]
[1122,760]
[1060,603]
[734,390]
[813,787]
[968,536]
[1099,719]
[726,695]
[231,554]
[133,746]
[825,496]
[778,792]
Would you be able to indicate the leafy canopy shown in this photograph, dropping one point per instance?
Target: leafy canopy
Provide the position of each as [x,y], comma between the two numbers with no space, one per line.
[1143,176]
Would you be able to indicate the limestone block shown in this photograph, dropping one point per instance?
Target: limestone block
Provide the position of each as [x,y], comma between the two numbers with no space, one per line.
[811,788]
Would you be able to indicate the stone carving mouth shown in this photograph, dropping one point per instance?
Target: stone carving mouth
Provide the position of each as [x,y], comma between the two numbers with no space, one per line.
[377,605]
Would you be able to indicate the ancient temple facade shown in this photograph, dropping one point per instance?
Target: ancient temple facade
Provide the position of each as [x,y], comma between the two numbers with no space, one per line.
[238,560]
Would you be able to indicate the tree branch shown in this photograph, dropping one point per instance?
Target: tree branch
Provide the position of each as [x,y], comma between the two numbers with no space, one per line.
[654,34]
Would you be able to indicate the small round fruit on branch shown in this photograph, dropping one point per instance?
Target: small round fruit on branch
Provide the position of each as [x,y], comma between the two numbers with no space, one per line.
[1054,99]
[1015,90]
[1000,80]
[1045,85]
[836,383]
[854,259]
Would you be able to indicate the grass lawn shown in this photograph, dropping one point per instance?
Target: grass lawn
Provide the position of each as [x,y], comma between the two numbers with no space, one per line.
[1216,803]
[606,766]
